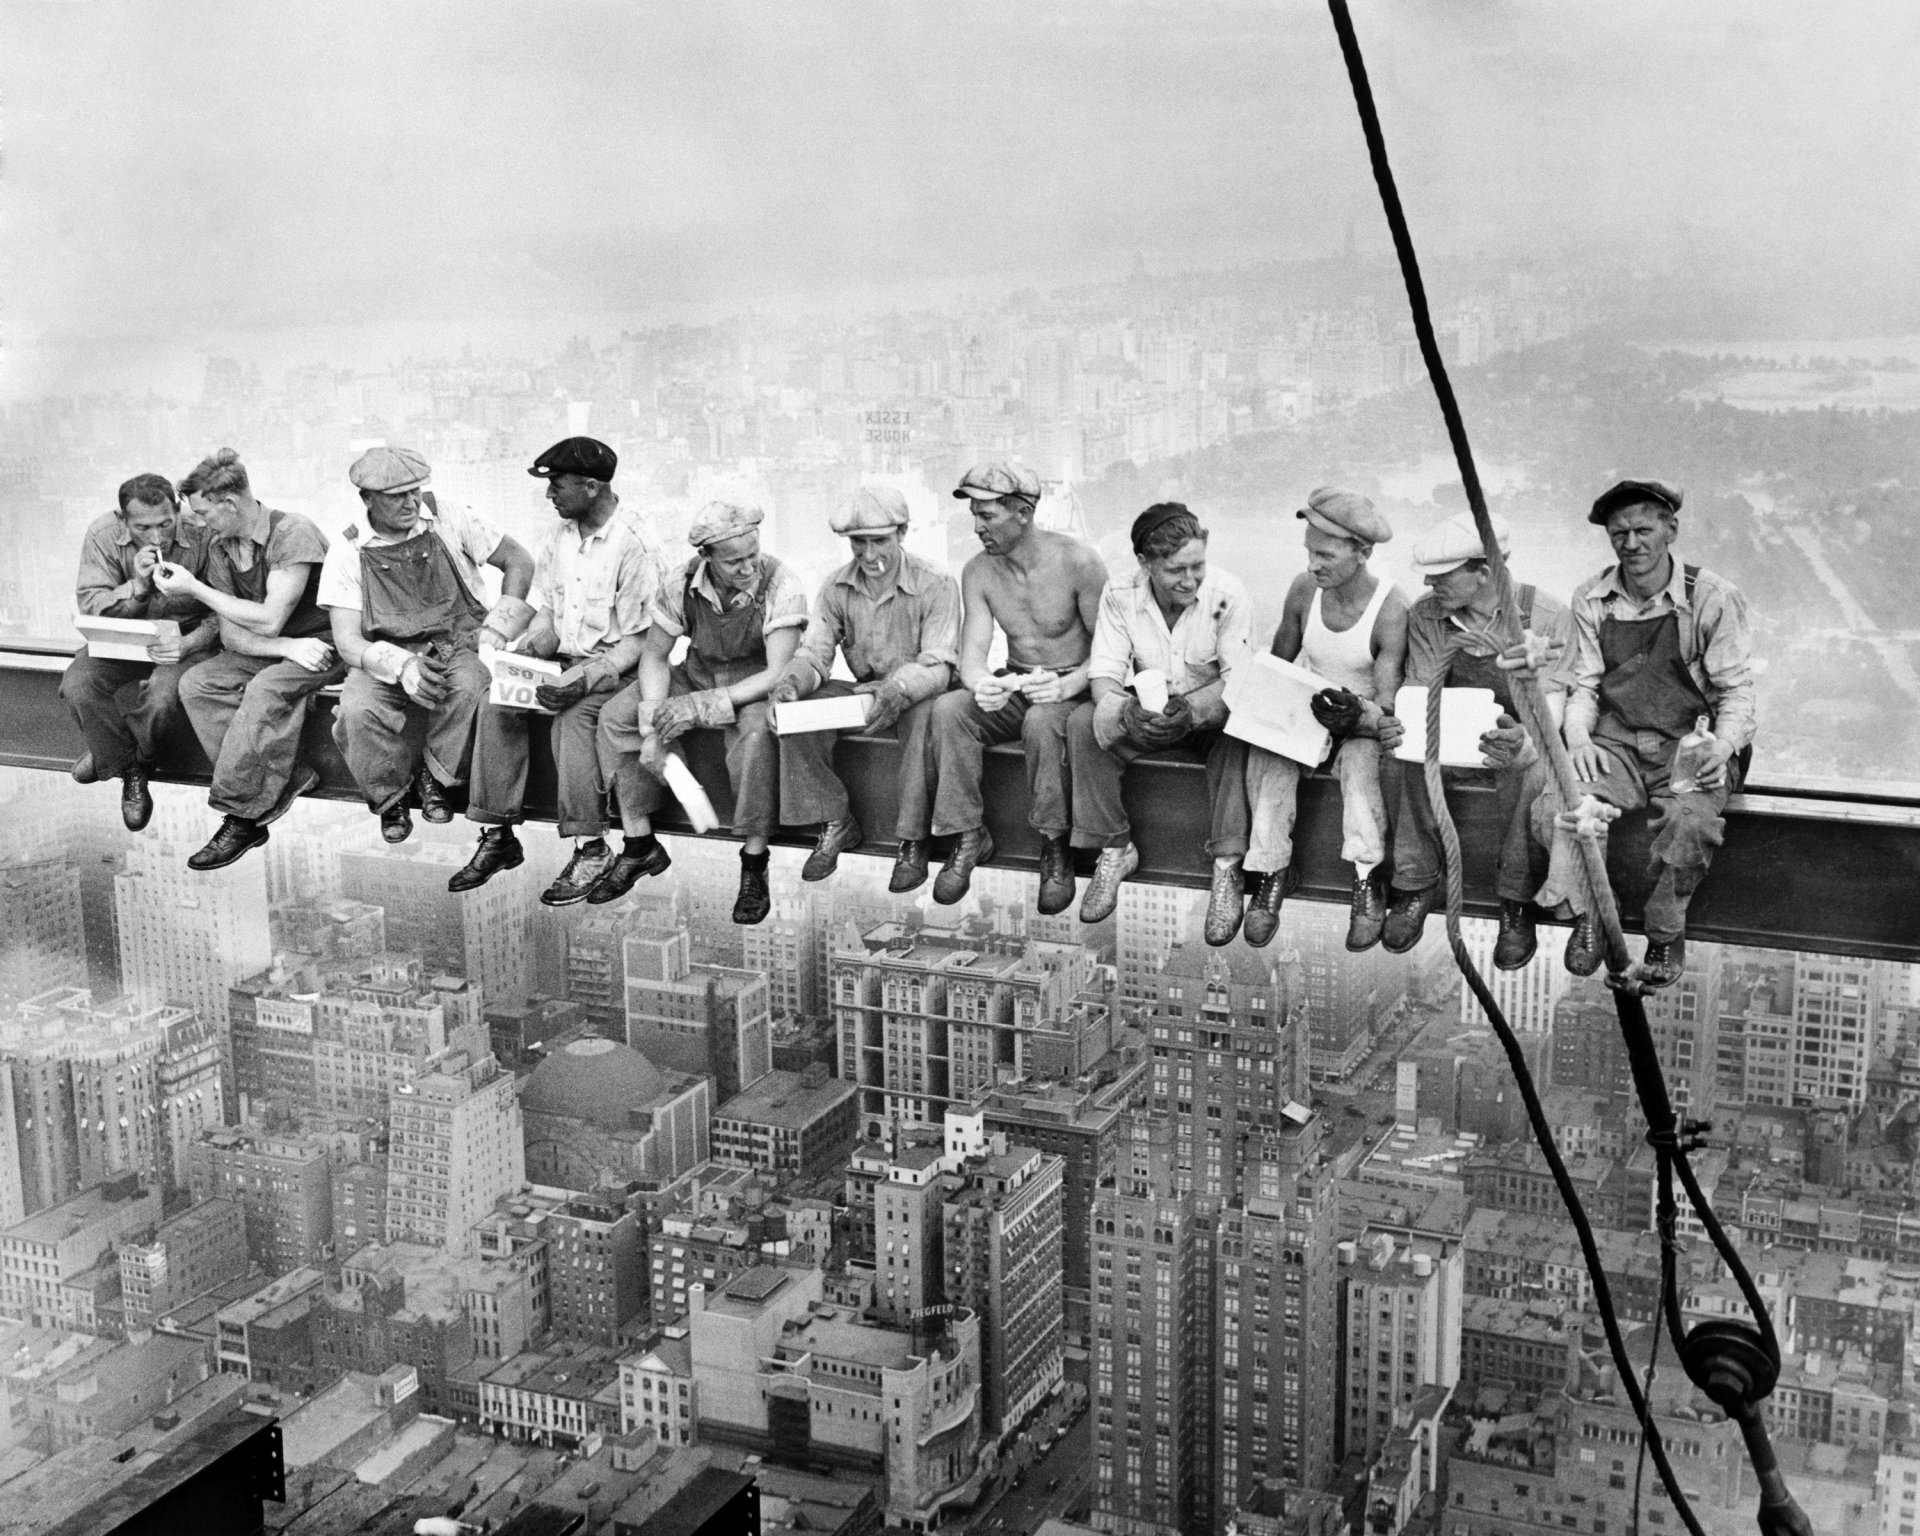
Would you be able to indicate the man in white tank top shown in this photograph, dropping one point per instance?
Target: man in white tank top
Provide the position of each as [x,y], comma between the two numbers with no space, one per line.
[1349,626]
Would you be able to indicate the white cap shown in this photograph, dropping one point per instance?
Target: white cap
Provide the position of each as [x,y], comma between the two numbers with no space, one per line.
[1451,544]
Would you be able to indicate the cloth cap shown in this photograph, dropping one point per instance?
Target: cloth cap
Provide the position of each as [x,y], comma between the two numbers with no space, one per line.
[871,509]
[1631,493]
[587,457]
[722,520]
[991,479]
[1156,516]
[1346,513]
[1448,546]
[389,469]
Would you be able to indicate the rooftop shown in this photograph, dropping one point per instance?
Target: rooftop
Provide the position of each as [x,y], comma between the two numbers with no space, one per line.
[783,1099]
[59,1222]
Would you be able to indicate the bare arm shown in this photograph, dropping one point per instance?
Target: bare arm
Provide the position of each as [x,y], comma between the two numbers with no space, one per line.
[1090,582]
[285,583]
[1389,662]
[781,645]
[313,653]
[347,638]
[515,565]
[656,672]
[976,627]
[1292,633]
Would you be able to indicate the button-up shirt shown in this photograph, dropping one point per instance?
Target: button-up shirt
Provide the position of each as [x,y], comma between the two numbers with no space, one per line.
[909,632]
[1716,642]
[469,538]
[786,598]
[1208,640]
[1435,637]
[106,586]
[598,588]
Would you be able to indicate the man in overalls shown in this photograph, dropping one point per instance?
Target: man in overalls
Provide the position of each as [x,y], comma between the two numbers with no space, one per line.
[249,702]
[593,582]
[124,708]
[1454,641]
[1657,645]
[742,613]
[896,619]
[407,614]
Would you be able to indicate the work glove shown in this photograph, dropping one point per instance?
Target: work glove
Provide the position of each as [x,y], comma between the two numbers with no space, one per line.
[505,622]
[890,701]
[708,710]
[1155,732]
[786,690]
[1337,709]
[424,680]
[1508,745]
[562,693]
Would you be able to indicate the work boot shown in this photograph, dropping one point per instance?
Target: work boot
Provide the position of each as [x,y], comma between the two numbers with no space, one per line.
[299,782]
[970,849]
[590,861]
[1663,962]
[909,866]
[396,825]
[1270,891]
[755,900]
[236,836]
[1226,902]
[638,858]
[1583,946]
[1517,943]
[1368,914]
[1056,875]
[434,804]
[499,849]
[1407,917]
[835,838]
[83,770]
[136,800]
[1103,890]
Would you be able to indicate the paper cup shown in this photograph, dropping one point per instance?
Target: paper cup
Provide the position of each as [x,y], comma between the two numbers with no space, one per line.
[1150,688]
[686,789]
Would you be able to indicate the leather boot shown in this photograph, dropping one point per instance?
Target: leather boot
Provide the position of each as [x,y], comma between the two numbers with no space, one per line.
[434,804]
[1270,891]
[1056,875]
[1367,916]
[1583,946]
[1517,943]
[970,849]
[1226,902]
[638,858]
[1664,962]
[909,866]
[755,900]
[835,838]
[396,823]
[499,849]
[1407,917]
[1103,890]
[236,836]
[590,861]
[136,800]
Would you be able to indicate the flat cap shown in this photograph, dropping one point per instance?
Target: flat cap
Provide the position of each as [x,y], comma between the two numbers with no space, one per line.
[1450,545]
[1346,513]
[587,457]
[389,469]
[871,509]
[1631,493]
[991,479]
[722,520]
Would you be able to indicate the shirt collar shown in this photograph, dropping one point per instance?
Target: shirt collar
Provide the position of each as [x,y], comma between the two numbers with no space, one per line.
[427,518]
[1612,584]
[903,581]
[707,587]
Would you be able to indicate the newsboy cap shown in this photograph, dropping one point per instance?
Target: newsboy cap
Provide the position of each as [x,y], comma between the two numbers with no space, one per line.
[1632,493]
[871,509]
[1448,546]
[587,457]
[991,479]
[722,520]
[391,470]
[1346,513]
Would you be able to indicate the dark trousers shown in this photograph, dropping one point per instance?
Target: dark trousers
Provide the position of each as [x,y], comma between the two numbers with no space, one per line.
[1099,819]
[123,708]
[378,729]
[958,737]
[498,796]
[753,760]
[1522,864]
[810,791]
[248,712]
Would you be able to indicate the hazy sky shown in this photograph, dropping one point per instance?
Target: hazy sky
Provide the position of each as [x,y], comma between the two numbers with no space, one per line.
[175,168]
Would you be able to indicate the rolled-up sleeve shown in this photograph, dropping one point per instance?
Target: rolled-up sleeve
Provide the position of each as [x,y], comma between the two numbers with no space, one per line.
[102,587]
[1427,650]
[786,604]
[1724,636]
[1234,630]
[824,630]
[538,592]
[931,668]
[1112,653]
[1583,676]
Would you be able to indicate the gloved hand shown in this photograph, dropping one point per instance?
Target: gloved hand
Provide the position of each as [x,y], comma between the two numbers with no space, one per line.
[1337,709]
[1155,732]
[890,701]
[786,689]
[708,710]
[1508,745]
[561,692]
[424,680]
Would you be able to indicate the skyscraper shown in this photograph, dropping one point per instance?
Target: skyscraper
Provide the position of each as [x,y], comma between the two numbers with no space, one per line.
[1836,1014]
[696,1018]
[483,935]
[46,944]
[454,1148]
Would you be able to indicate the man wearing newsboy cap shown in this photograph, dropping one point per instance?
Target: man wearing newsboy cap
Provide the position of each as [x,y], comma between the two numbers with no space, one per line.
[896,620]
[408,611]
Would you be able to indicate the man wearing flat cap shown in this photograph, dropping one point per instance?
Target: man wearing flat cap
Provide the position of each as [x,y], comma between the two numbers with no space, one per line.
[594,579]
[742,612]
[896,619]
[1043,590]
[1658,647]
[1455,635]
[1186,620]
[408,612]
[1349,626]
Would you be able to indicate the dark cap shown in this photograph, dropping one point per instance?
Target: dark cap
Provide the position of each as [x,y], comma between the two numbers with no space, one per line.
[584,456]
[1155,517]
[1633,493]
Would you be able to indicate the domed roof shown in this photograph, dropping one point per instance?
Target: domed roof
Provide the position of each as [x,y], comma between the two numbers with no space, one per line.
[595,1080]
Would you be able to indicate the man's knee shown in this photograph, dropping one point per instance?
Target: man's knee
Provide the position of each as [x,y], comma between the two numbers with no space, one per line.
[1080,737]
[954,713]
[1046,723]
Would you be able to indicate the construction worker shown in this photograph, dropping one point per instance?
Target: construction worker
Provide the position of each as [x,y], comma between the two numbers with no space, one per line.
[1658,645]
[406,604]
[1454,639]
[1043,590]
[1186,619]
[1349,626]
[896,619]
[125,708]
[594,580]
[248,704]
[742,612]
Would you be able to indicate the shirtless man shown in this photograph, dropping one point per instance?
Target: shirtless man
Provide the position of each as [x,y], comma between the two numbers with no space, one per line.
[1043,589]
